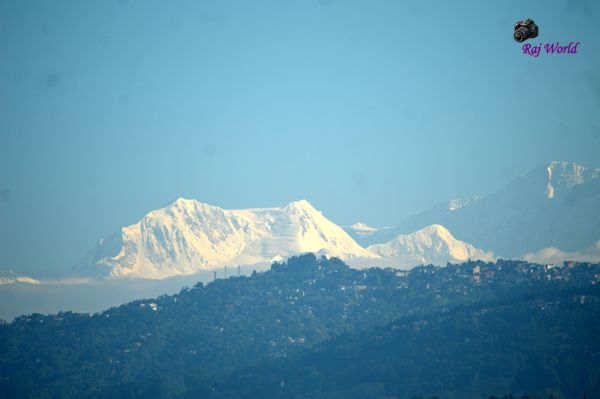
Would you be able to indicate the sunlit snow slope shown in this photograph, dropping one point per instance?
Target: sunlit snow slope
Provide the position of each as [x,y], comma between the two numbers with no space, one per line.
[188,236]
[433,244]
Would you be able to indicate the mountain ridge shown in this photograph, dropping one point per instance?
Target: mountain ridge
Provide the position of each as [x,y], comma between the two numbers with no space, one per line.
[549,210]
[553,205]
[187,236]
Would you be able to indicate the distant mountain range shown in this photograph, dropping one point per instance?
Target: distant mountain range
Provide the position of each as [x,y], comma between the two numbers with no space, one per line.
[556,205]
[552,209]
[188,236]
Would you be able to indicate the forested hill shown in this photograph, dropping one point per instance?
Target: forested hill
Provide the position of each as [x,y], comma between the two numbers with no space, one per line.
[547,345]
[324,320]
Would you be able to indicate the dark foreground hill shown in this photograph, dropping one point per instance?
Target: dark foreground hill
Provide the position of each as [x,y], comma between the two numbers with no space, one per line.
[316,328]
[544,345]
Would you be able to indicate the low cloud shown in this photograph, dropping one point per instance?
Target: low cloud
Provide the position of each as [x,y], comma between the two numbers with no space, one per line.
[555,255]
[11,278]
[71,281]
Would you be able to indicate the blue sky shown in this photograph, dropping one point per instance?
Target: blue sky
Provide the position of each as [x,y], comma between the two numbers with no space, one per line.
[371,110]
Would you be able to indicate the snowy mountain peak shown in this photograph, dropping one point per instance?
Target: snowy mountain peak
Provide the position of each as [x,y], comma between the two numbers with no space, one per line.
[436,230]
[187,236]
[566,168]
[183,201]
[432,244]
[191,204]
[300,206]
[562,174]
[567,175]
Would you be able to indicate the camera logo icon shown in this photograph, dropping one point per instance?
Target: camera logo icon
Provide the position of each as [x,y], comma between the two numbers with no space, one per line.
[525,29]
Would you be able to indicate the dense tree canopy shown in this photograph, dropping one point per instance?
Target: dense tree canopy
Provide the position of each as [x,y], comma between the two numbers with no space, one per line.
[313,327]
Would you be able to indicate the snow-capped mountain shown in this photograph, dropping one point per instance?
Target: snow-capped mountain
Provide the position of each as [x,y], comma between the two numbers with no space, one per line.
[433,244]
[188,236]
[554,205]
[562,176]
